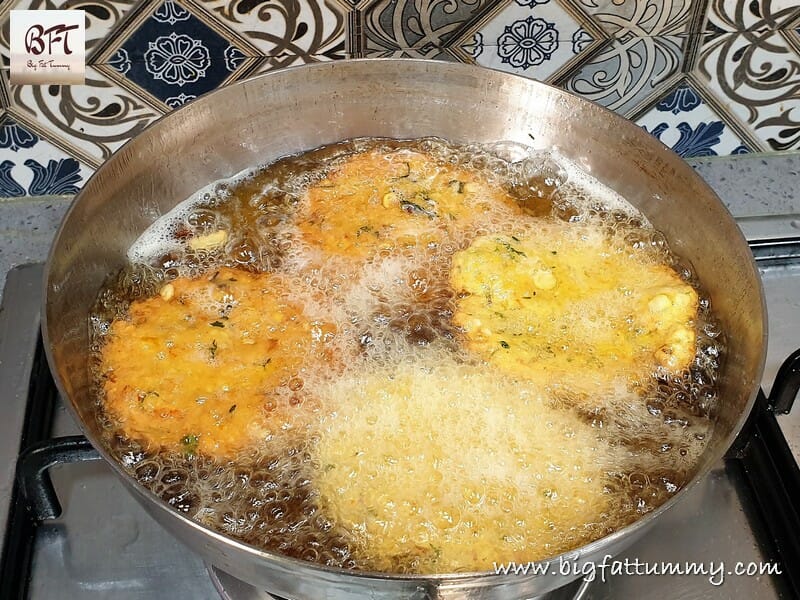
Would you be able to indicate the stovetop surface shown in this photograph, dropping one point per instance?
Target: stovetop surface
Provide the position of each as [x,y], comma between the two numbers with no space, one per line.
[105,546]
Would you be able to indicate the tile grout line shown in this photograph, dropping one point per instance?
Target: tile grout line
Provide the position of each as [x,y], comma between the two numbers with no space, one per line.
[354,33]
[24,199]
[691,51]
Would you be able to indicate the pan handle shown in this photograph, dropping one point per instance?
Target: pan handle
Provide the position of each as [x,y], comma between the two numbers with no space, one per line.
[33,476]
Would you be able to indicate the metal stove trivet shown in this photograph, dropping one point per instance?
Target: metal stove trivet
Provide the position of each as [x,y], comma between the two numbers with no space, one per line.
[230,588]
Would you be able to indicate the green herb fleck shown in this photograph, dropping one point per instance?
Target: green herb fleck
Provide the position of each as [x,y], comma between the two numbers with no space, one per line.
[232,408]
[363,229]
[504,344]
[189,443]
[511,248]
[516,239]
[553,252]
[328,467]
[218,324]
[212,349]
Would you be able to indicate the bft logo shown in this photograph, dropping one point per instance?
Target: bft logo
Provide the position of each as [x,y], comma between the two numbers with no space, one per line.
[48,47]
[37,39]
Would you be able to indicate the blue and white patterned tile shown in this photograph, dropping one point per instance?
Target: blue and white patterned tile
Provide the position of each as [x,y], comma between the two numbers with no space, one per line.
[536,38]
[626,73]
[173,52]
[302,28]
[89,121]
[32,166]
[102,16]
[627,19]
[417,28]
[688,125]
[756,75]
[749,15]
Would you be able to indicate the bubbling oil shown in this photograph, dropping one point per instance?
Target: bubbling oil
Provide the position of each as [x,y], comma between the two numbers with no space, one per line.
[392,311]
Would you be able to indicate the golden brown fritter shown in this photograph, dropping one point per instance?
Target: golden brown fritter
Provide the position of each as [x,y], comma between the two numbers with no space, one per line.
[212,364]
[567,307]
[380,200]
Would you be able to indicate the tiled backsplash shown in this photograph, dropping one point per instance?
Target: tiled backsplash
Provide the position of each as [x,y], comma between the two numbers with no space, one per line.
[707,77]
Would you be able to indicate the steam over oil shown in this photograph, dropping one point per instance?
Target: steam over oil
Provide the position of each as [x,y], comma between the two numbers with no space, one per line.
[408,356]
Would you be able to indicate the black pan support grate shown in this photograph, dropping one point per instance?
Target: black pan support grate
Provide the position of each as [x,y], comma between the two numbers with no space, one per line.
[763,456]
[760,452]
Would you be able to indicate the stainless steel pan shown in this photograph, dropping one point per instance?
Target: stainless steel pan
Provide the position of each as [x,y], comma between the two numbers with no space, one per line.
[301,108]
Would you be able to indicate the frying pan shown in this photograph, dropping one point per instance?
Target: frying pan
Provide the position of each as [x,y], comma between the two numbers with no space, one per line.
[287,111]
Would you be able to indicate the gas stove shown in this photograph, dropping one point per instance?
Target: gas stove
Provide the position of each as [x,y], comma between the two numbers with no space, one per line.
[69,529]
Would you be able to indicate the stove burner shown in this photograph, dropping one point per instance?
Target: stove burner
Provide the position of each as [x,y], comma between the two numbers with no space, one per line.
[230,588]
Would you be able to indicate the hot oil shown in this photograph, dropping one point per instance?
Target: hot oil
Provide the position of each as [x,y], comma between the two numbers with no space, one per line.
[392,313]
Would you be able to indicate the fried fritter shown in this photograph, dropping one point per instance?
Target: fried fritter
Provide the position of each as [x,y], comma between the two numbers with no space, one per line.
[386,200]
[438,467]
[566,307]
[211,365]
